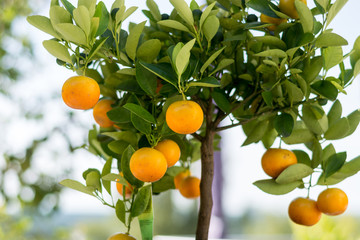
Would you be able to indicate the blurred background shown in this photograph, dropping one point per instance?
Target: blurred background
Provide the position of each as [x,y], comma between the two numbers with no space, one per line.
[41,141]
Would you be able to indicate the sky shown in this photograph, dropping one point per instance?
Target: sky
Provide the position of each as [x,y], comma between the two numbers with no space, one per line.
[241,164]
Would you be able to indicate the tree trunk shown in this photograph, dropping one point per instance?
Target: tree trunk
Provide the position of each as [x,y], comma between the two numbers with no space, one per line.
[207,174]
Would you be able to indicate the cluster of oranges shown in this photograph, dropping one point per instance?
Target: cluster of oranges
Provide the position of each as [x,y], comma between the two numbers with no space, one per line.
[146,164]
[304,211]
[287,7]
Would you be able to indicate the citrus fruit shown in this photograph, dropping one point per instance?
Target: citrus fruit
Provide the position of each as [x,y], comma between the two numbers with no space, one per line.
[99,112]
[121,236]
[304,211]
[332,201]
[171,151]
[276,21]
[120,188]
[288,7]
[179,177]
[190,187]
[80,92]
[184,117]
[275,160]
[148,164]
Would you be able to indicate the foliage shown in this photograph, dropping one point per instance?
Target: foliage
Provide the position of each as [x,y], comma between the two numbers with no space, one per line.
[273,83]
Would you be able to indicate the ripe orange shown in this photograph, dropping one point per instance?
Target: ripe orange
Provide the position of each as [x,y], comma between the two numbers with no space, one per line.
[276,21]
[148,164]
[171,151]
[80,92]
[121,236]
[120,188]
[304,211]
[184,117]
[288,7]
[275,160]
[99,113]
[180,176]
[332,201]
[190,187]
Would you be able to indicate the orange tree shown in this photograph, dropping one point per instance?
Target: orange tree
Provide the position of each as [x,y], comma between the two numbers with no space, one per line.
[272,78]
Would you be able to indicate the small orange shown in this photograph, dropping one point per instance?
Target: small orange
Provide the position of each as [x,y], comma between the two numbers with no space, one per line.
[304,211]
[180,176]
[275,160]
[148,164]
[120,188]
[171,151]
[184,117]
[99,112]
[288,7]
[276,21]
[332,201]
[121,236]
[190,187]
[80,92]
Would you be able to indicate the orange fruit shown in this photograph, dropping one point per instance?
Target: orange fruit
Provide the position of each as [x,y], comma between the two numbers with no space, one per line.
[332,201]
[120,188]
[80,92]
[180,176]
[121,236]
[275,160]
[99,113]
[304,211]
[148,164]
[288,7]
[184,117]
[276,21]
[190,187]
[171,151]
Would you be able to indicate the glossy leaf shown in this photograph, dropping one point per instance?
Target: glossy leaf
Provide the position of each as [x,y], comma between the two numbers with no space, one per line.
[330,39]
[140,124]
[183,57]
[71,33]
[141,201]
[205,82]
[334,163]
[120,211]
[154,9]
[257,133]
[334,9]
[332,56]
[163,71]
[272,53]
[318,126]
[184,11]
[263,6]
[125,167]
[44,24]
[104,17]
[302,157]
[149,50]
[105,171]
[57,50]
[305,15]
[77,186]
[354,119]
[272,187]
[133,40]
[69,7]
[222,64]
[205,14]
[173,24]
[300,134]
[338,130]
[221,101]
[294,173]
[284,124]
[210,60]
[210,27]
[164,184]
[146,80]
[335,112]
[140,112]
[82,19]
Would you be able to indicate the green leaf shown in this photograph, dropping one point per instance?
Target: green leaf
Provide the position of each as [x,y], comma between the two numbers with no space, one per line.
[205,14]
[305,15]
[127,136]
[272,53]
[334,163]
[357,68]
[93,180]
[77,186]
[338,130]
[300,134]
[205,82]
[119,115]
[120,211]
[354,119]
[302,157]
[221,101]
[82,19]
[118,146]
[317,154]
[294,173]
[272,187]
[141,201]
[125,167]
[222,64]
[263,7]
[335,112]
[325,89]
[328,39]
[184,11]
[332,56]
[69,7]
[164,184]
[59,15]
[173,24]
[140,112]
[146,79]
[257,133]
[149,50]
[271,41]
[334,9]
[57,50]
[295,93]
[312,69]
[44,24]
[105,171]
[104,17]
[113,177]
[140,124]
[327,152]
[72,33]
[323,3]
[133,40]
[183,57]
[211,26]
[96,47]
[318,126]
[284,124]
[210,60]
[89,4]
[163,71]
[128,12]
[154,9]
